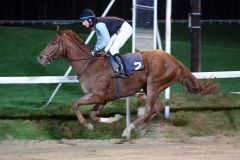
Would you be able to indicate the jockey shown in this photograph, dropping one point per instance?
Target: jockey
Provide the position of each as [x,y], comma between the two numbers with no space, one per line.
[112,33]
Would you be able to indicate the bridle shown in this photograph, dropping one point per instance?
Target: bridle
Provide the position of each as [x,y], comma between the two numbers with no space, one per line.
[50,57]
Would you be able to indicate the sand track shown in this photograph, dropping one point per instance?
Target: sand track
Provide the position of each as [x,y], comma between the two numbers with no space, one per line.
[200,148]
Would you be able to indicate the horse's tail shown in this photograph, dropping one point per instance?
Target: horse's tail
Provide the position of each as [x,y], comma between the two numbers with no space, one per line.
[193,84]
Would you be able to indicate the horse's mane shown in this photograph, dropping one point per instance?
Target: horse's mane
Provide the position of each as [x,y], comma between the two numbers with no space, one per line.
[73,35]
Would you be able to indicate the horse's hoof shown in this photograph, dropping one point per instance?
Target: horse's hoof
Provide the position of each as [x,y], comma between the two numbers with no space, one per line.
[143,132]
[90,127]
[127,131]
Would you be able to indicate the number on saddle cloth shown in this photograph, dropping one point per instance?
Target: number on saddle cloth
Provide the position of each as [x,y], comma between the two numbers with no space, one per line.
[133,62]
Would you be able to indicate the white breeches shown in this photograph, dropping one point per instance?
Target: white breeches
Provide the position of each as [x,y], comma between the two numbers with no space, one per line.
[119,39]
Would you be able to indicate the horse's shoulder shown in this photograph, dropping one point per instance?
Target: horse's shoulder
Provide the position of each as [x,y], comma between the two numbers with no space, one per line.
[101,60]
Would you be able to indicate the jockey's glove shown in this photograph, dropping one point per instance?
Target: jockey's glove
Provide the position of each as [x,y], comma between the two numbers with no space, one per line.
[94,52]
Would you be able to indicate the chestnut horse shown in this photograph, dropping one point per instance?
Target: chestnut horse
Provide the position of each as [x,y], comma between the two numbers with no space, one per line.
[160,71]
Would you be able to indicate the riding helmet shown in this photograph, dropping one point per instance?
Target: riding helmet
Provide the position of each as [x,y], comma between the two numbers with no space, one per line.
[87,14]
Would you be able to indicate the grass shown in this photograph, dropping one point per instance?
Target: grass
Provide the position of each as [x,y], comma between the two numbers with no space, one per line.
[208,123]
[21,45]
[57,129]
[185,100]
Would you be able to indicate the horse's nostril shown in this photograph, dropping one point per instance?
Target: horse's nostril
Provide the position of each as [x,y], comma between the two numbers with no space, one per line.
[40,59]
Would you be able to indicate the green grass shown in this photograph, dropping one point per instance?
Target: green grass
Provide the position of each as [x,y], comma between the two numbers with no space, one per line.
[185,100]
[57,129]
[21,45]
[207,123]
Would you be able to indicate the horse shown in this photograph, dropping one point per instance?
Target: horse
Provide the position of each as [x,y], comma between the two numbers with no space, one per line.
[95,75]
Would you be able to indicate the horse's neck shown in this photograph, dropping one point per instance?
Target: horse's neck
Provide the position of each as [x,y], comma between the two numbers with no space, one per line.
[78,57]
[77,67]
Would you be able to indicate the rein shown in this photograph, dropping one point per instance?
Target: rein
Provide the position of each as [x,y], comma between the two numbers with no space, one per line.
[84,67]
[80,59]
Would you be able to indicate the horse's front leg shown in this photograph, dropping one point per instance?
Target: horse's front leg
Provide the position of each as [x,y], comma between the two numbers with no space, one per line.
[97,109]
[86,99]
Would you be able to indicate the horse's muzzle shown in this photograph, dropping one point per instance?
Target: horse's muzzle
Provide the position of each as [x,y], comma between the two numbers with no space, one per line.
[42,59]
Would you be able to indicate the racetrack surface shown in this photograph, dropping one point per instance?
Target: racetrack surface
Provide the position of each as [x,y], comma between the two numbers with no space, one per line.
[199,148]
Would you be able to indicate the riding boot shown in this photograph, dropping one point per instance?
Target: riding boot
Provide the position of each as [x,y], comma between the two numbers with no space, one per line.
[120,72]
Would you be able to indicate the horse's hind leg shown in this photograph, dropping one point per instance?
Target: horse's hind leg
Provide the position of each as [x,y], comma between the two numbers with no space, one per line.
[97,109]
[154,105]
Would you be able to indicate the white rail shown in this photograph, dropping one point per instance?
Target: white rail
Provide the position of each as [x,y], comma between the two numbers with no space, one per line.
[38,80]
[73,79]
[223,74]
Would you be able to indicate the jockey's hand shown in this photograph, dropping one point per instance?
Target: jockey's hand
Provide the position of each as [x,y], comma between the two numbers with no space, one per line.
[94,52]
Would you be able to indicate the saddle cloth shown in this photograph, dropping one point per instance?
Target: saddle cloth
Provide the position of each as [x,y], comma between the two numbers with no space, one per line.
[132,61]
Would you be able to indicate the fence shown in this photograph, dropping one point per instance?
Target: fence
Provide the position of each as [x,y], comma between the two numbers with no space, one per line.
[73,79]
[67,22]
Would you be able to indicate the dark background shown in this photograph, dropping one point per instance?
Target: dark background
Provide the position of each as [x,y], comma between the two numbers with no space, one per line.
[70,9]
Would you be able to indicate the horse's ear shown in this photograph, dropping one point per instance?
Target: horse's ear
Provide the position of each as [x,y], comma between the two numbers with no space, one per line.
[59,31]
